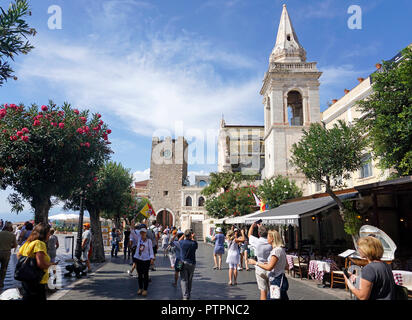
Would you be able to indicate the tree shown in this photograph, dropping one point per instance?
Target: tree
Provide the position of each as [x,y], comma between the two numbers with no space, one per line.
[388,115]
[278,189]
[132,206]
[223,181]
[50,152]
[238,201]
[14,32]
[328,156]
[104,197]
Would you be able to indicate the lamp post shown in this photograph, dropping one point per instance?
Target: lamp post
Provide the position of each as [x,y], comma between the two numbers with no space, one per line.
[78,253]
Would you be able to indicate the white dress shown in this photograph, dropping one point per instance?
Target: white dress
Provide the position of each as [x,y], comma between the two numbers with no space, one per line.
[233,254]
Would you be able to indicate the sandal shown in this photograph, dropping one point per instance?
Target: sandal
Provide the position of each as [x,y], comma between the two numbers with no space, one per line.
[215,268]
[230,284]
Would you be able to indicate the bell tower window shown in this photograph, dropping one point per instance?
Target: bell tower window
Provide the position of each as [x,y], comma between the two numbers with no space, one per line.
[295,108]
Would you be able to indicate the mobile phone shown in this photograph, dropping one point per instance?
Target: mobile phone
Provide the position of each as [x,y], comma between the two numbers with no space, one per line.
[345,271]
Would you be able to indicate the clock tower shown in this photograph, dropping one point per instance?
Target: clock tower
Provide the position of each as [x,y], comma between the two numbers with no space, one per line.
[168,173]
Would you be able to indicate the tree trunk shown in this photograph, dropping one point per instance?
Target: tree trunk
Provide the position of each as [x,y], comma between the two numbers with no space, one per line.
[41,209]
[97,238]
[341,211]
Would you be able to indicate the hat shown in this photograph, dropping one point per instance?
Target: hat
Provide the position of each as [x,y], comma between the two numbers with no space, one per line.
[174,232]
[86,225]
[218,229]
[143,230]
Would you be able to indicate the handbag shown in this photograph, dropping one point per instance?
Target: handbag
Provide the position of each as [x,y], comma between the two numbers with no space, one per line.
[275,289]
[27,270]
[179,265]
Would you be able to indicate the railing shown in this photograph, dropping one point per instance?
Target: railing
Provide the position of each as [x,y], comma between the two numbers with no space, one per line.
[293,66]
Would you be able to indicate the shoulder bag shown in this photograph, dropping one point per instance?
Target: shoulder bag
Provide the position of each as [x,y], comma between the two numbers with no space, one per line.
[27,270]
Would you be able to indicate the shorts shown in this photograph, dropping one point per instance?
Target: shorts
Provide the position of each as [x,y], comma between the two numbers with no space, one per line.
[233,266]
[262,279]
[85,254]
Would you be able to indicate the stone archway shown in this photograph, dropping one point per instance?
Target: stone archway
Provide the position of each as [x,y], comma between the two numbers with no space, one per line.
[164,217]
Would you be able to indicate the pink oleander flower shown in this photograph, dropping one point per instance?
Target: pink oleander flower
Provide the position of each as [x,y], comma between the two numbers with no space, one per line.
[76,111]
[99,115]
[36,123]
[87,144]
[25,130]
[61,125]
[80,130]
[109,131]
[83,119]
[44,108]
[25,138]
[20,133]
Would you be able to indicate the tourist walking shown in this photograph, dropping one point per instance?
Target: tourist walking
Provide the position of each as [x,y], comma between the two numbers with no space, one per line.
[25,233]
[143,258]
[115,242]
[152,234]
[86,243]
[52,246]
[17,235]
[262,251]
[35,247]
[134,241]
[126,244]
[7,242]
[233,254]
[188,254]
[177,254]
[276,267]
[244,253]
[376,278]
[219,249]
[165,242]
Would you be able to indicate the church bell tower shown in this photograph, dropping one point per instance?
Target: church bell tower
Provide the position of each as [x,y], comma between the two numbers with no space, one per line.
[291,100]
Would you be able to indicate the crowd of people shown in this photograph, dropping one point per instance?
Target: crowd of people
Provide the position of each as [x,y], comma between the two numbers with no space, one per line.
[141,243]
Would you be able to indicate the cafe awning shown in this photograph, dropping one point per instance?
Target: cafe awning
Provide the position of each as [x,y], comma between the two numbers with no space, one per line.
[289,213]
[241,219]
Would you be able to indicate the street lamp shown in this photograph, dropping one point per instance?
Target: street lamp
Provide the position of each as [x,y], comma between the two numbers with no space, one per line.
[78,267]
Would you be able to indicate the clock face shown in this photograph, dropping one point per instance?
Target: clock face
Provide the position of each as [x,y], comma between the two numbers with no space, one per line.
[167,154]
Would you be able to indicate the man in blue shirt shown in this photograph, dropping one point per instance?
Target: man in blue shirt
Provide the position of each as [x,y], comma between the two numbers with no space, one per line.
[188,253]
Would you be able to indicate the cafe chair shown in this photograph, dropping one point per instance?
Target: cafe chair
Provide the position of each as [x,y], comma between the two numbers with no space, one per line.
[300,265]
[336,276]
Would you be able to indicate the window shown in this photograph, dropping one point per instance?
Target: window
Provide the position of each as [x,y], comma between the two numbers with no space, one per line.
[188,202]
[366,169]
[295,108]
[318,187]
[201,202]
[165,193]
[202,183]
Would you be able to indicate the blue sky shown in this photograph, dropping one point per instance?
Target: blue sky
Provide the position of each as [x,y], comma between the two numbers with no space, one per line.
[149,66]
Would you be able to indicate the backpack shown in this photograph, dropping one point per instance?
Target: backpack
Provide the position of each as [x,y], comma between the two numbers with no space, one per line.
[151,236]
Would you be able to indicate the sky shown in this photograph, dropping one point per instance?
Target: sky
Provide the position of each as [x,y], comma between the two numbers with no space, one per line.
[175,67]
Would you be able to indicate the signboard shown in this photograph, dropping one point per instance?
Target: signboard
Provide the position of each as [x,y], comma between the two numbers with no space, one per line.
[293,222]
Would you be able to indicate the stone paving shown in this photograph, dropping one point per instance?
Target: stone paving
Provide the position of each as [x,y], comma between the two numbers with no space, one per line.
[111,282]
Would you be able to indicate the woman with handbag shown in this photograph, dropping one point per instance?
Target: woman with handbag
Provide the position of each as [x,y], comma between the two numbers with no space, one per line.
[276,264]
[34,262]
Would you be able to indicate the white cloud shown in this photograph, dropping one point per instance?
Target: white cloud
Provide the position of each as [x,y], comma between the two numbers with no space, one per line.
[161,82]
[141,175]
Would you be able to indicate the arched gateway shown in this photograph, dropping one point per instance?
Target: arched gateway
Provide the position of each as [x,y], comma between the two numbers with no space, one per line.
[164,217]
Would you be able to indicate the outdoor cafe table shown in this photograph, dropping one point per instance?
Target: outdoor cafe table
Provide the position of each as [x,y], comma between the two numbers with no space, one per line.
[403,278]
[318,268]
[289,258]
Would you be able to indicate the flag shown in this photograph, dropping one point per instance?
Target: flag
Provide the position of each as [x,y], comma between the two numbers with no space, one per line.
[260,203]
[152,212]
[257,200]
[146,211]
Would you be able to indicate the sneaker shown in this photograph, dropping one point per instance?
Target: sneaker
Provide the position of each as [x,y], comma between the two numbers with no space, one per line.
[139,292]
[129,273]
[153,268]
[144,293]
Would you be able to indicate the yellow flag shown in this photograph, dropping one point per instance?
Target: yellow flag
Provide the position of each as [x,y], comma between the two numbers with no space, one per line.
[146,210]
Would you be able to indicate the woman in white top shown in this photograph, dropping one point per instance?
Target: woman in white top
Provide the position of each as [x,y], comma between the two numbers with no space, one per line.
[144,257]
[233,254]
[276,264]
[165,242]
